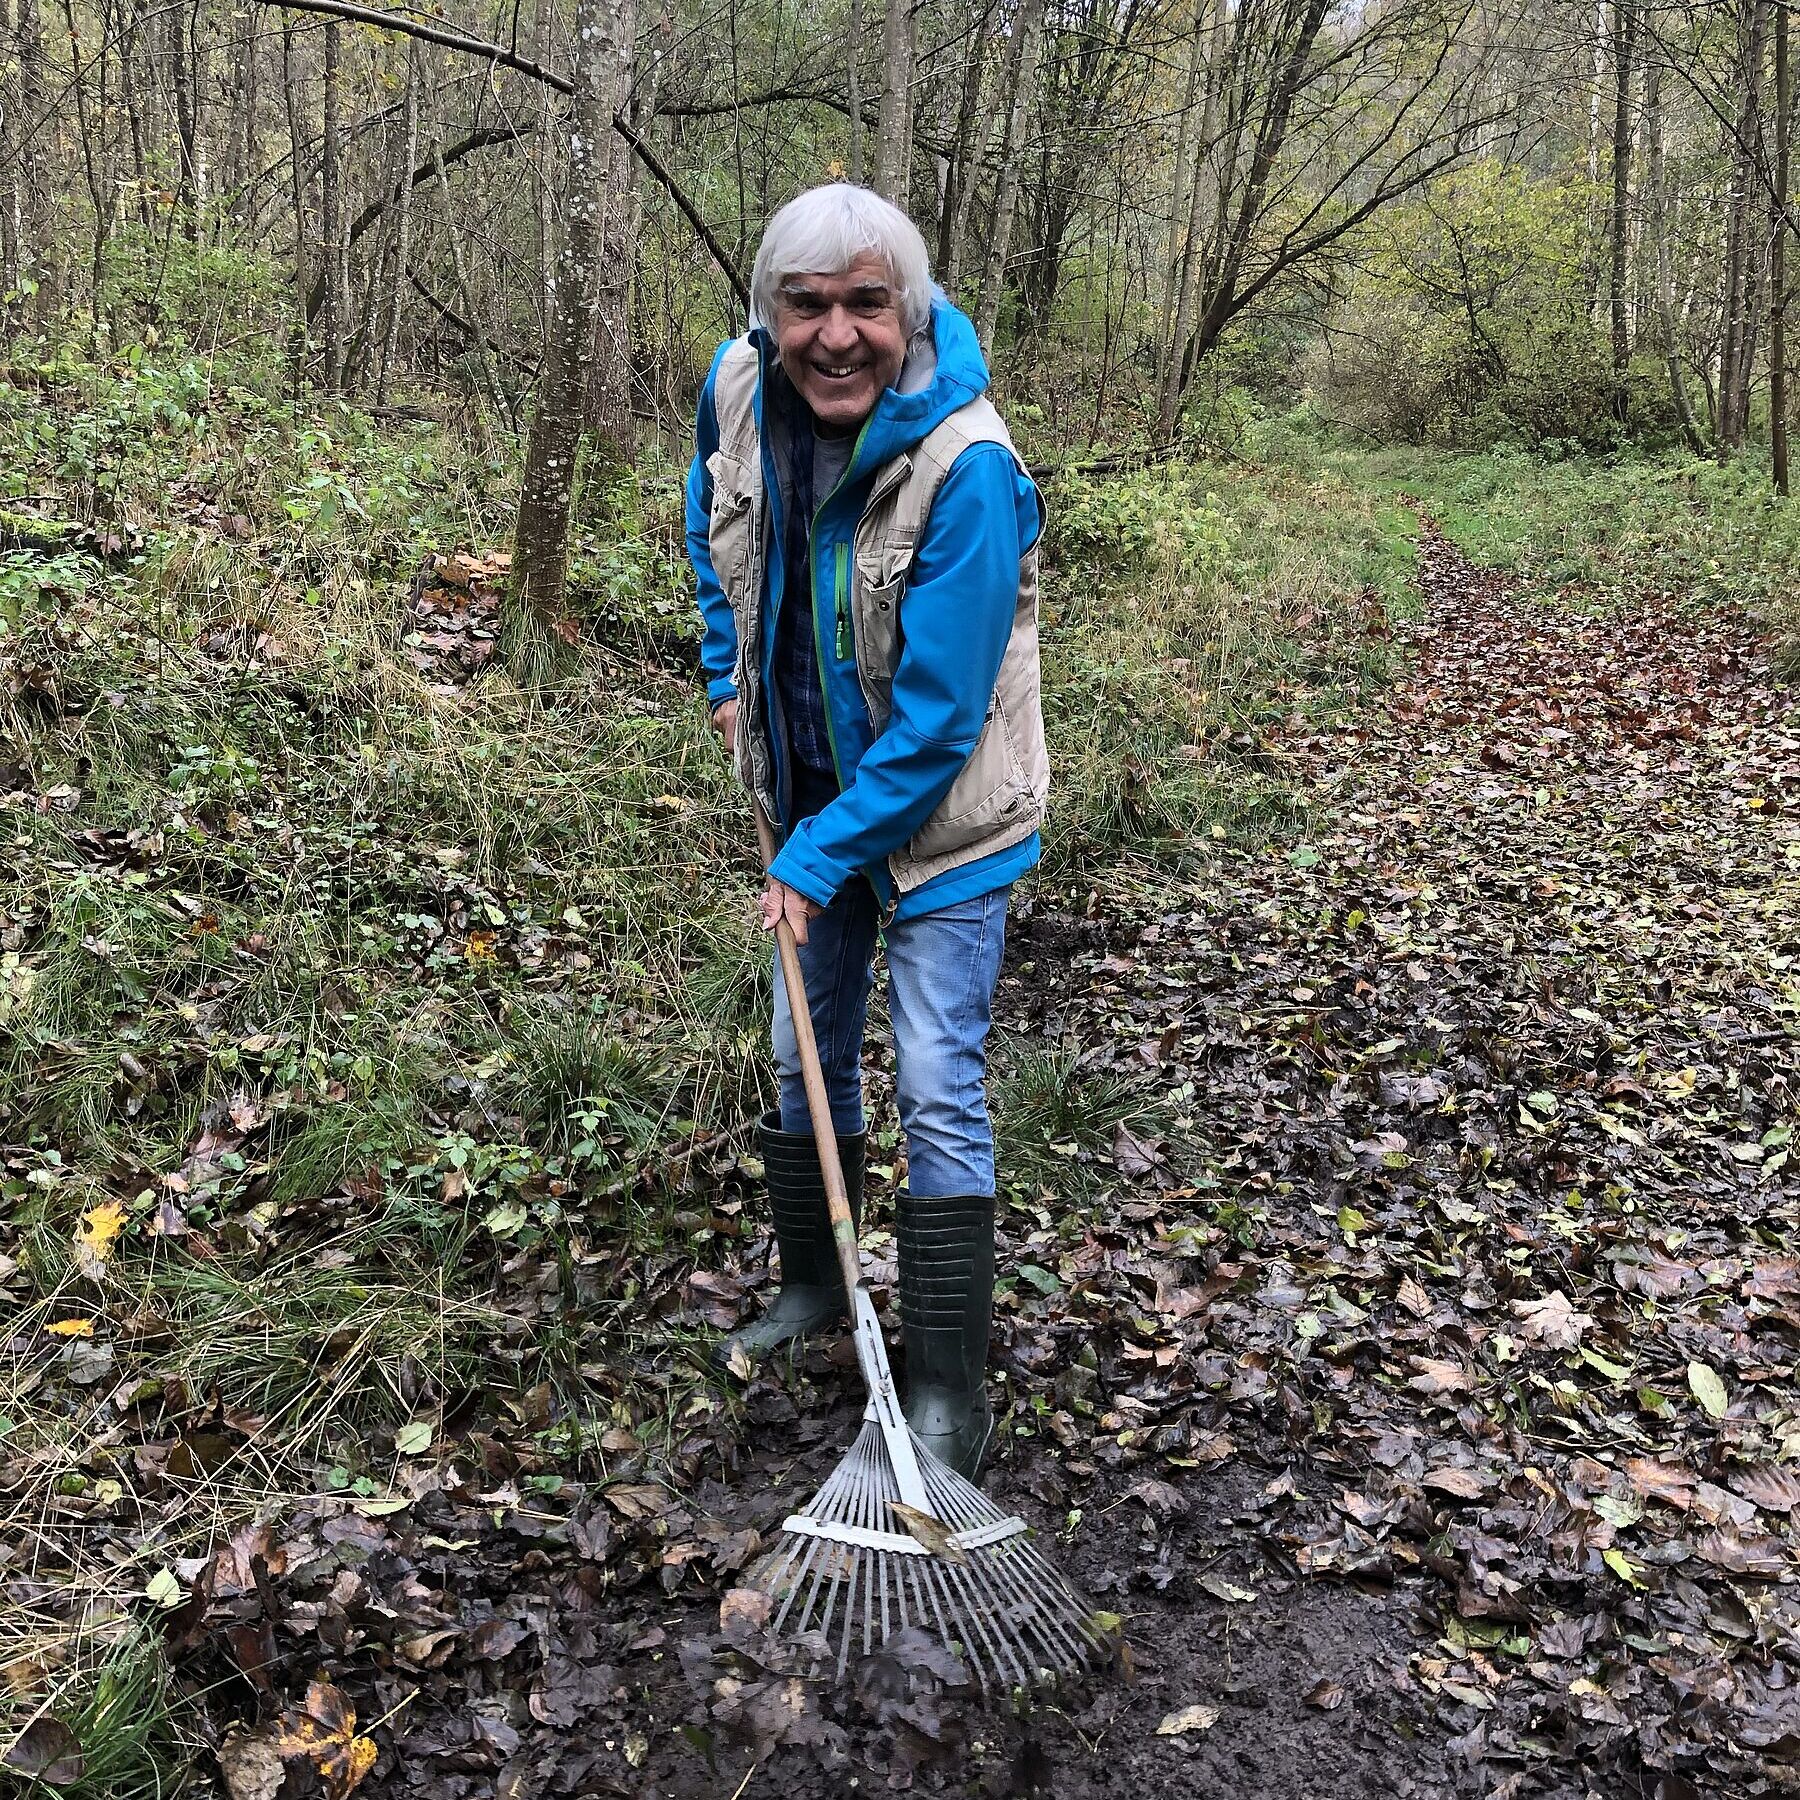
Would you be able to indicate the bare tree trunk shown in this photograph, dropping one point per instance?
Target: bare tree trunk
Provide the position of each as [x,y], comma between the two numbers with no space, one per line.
[1189,148]
[486,385]
[1205,208]
[290,88]
[1625,27]
[1743,275]
[1020,85]
[181,80]
[964,162]
[409,154]
[335,321]
[599,67]
[893,127]
[540,187]
[1659,232]
[28,229]
[856,98]
[1778,294]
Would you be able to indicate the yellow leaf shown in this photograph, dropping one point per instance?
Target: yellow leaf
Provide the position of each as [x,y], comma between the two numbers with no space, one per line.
[100,1227]
[71,1328]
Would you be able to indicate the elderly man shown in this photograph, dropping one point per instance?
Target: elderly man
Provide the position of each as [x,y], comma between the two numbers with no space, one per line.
[864,538]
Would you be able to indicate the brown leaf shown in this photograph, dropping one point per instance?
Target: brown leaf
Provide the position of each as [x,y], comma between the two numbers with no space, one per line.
[252,1766]
[1668,1482]
[744,1611]
[636,1500]
[1551,1321]
[324,1733]
[1414,1298]
[1326,1695]
[1767,1487]
[934,1534]
[1435,1377]
[1464,1484]
[47,1751]
[1135,1157]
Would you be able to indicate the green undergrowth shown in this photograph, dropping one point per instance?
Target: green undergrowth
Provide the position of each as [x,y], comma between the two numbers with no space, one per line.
[1193,614]
[390,1033]
[1595,531]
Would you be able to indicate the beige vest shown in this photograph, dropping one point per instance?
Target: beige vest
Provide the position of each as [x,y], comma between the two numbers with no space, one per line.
[997,799]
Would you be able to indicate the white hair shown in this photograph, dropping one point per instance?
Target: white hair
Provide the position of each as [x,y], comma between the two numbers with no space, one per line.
[823,231]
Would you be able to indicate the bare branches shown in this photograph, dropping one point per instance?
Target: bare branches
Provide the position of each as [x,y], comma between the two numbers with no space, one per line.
[502,57]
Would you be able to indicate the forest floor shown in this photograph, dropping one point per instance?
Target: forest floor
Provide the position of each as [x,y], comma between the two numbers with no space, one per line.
[1422,1400]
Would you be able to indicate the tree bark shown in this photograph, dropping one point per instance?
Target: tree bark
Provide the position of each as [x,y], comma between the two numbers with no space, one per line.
[1778,296]
[893,128]
[334,319]
[1665,282]
[409,154]
[1625,26]
[1742,274]
[599,70]
[1021,86]
[1190,147]
[964,159]
[855,93]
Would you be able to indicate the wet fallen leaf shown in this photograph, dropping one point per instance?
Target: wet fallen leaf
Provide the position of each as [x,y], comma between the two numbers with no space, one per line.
[1551,1321]
[1189,1718]
[47,1751]
[252,1766]
[1326,1695]
[932,1533]
[1708,1387]
[95,1236]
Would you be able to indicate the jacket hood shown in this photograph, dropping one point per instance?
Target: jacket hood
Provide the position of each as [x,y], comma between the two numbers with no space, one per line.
[944,370]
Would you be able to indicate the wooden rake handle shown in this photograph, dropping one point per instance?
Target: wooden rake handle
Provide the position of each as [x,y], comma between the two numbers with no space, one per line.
[818,1103]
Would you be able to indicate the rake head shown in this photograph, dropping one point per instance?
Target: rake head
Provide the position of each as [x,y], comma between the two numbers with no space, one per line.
[858,1565]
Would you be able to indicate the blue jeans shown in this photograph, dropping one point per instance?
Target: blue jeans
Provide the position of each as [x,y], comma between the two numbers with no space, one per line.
[941,973]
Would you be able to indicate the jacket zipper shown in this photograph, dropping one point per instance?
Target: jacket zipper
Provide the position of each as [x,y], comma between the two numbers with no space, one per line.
[840,597]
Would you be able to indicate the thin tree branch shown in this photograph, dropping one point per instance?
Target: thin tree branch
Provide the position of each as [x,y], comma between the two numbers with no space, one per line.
[510,59]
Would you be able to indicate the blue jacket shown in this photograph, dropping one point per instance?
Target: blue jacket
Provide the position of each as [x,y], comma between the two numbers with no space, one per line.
[955,619]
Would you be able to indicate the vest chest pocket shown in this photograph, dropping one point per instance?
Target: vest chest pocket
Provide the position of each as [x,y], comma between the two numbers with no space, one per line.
[880,587]
[730,528]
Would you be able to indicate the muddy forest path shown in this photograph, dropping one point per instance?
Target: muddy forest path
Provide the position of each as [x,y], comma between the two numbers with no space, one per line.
[1422,1400]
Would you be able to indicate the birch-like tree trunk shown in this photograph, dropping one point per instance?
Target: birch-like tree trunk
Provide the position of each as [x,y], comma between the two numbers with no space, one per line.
[1625,29]
[893,126]
[409,155]
[333,316]
[1778,232]
[1659,235]
[1190,146]
[599,68]
[1206,198]
[1020,85]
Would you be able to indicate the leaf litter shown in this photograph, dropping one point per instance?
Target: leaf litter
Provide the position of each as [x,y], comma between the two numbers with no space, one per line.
[1415,1393]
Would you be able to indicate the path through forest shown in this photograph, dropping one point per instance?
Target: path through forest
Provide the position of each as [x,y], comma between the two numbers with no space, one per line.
[1424,1405]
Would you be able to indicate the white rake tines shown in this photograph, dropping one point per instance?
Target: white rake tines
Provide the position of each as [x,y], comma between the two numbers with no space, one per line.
[847,1567]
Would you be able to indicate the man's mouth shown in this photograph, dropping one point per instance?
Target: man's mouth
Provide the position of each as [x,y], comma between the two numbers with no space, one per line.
[837,371]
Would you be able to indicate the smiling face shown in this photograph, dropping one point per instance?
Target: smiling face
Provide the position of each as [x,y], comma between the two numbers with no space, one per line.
[841,340]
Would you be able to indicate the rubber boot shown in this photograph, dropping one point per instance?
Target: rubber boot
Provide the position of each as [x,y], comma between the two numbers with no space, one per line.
[812,1286]
[946,1307]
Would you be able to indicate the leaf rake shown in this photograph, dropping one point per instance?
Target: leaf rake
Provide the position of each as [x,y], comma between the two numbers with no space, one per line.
[894,1539]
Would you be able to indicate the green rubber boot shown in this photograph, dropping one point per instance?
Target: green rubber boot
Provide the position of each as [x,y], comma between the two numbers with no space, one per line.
[812,1286]
[946,1307]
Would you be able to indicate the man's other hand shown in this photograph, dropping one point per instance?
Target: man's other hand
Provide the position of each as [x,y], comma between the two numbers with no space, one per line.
[782,902]
[724,722]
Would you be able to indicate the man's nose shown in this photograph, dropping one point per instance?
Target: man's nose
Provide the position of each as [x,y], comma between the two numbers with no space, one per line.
[837,331]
